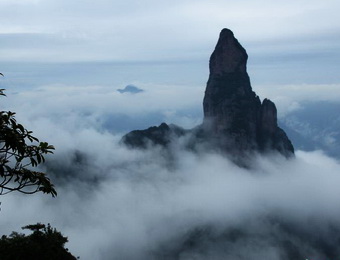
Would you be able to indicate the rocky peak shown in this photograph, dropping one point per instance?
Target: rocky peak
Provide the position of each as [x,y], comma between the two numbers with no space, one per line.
[229,56]
[268,120]
[233,113]
[234,121]
[229,103]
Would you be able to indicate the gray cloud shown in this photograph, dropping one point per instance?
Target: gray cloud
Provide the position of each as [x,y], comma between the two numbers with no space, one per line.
[289,98]
[124,204]
[112,30]
[116,203]
[102,107]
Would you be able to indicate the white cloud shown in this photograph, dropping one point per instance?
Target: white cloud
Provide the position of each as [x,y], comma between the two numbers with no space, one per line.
[140,205]
[92,106]
[288,98]
[128,204]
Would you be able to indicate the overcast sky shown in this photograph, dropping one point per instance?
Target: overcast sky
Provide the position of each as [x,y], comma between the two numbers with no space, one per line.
[151,30]
[116,43]
[164,48]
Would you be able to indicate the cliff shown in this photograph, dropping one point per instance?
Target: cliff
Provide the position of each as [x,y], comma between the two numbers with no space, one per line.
[233,113]
[235,121]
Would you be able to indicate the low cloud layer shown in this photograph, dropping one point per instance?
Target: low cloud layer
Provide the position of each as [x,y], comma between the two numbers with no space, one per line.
[116,203]
[73,108]
[289,98]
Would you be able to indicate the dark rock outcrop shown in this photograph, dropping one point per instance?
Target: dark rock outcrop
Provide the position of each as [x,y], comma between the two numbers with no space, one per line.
[234,121]
[155,135]
[233,113]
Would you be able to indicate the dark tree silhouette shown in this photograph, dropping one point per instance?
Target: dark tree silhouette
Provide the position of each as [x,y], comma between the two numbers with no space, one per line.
[20,153]
[44,243]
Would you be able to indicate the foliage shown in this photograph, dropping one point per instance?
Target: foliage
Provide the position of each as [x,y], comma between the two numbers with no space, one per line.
[44,243]
[20,152]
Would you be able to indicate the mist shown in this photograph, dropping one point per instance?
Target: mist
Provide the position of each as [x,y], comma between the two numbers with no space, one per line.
[119,203]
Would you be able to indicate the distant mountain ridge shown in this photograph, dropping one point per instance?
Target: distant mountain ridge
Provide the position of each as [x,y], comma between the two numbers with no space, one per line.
[234,120]
[315,126]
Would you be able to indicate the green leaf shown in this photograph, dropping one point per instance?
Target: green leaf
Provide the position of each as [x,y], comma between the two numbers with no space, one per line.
[14,142]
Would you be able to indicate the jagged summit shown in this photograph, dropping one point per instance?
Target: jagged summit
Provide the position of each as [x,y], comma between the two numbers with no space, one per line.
[230,106]
[228,56]
[235,121]
[233,113]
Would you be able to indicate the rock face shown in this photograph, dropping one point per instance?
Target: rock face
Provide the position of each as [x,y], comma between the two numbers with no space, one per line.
[233,113]
[235,121]
[155,135]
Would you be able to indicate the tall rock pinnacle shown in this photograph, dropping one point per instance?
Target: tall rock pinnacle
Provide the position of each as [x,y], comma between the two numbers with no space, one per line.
[234,121]
[233,113]
[229,56]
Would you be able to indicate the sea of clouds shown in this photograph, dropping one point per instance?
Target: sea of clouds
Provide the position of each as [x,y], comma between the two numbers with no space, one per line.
[118,203]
